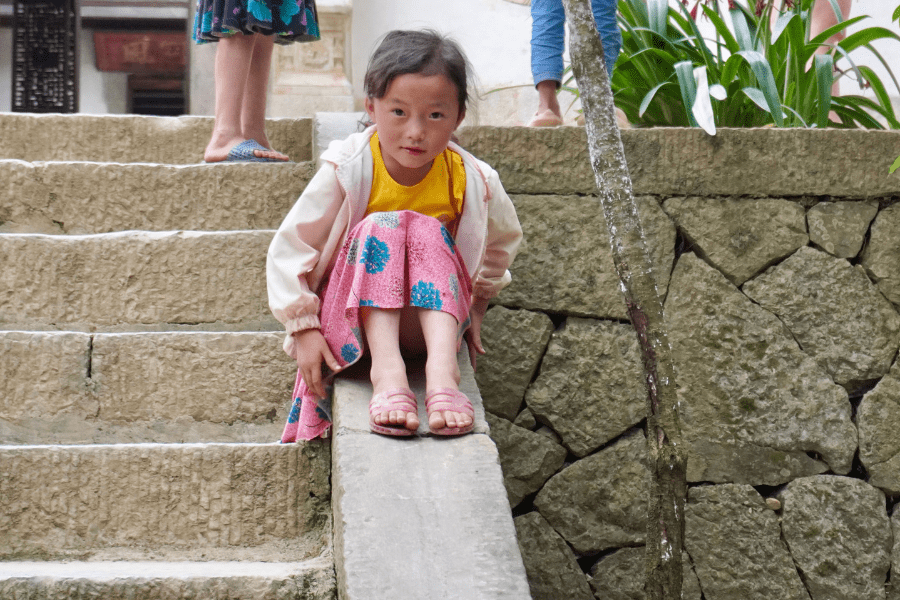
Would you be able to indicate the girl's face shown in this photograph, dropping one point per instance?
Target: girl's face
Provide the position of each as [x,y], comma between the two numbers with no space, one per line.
[415,120]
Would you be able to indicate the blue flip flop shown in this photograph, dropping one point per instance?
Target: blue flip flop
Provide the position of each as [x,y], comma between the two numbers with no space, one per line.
[243,152]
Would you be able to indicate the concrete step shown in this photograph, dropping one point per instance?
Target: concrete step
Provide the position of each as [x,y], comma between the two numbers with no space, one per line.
[77,388]
[131,138]
[420,517]
[165,502]
[311,579]
[129,280]
[92,197]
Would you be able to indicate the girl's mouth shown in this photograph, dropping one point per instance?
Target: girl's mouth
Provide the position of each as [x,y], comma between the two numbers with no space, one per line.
[415,151]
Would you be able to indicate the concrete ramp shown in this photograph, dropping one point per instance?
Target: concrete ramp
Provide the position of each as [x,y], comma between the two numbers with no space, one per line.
[421,517]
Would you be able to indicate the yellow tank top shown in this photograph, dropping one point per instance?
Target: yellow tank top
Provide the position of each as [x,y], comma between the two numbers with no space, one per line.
[440,195]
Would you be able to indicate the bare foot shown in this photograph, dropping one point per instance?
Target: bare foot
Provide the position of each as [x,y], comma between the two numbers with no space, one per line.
[456,421]
[399,409]
[218,151]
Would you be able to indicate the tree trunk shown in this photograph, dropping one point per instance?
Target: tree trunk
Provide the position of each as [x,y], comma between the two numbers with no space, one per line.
[665,518]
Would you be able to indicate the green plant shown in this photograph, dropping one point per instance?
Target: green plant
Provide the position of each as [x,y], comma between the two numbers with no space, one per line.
[759,71]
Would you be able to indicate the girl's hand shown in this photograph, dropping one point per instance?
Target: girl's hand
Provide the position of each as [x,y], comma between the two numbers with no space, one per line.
[311,350]
[473,334]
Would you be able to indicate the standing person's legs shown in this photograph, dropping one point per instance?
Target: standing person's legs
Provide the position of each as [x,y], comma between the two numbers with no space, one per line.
[234,56]
[823,17]
[253,111]
[608,28]
[548,37]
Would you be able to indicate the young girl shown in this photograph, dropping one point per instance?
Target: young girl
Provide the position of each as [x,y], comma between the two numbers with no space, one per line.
[397,244]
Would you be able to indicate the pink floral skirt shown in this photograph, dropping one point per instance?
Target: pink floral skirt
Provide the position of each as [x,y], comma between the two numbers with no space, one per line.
[390,260]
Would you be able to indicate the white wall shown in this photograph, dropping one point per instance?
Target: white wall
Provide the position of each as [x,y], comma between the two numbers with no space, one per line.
[495,35]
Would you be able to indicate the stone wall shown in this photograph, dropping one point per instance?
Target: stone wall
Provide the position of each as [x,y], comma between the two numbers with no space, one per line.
[777,254]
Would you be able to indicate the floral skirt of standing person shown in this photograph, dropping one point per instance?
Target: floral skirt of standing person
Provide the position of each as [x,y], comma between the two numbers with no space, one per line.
[390,260]
[288,20]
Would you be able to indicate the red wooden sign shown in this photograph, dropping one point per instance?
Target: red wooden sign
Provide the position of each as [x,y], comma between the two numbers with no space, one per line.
[141,52]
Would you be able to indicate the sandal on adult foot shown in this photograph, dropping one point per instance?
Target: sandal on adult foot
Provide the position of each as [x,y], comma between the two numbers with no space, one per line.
[446,399]
[401,399]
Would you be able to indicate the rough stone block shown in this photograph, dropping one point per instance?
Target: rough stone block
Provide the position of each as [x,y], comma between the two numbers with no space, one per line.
[591,386]
[45,375]
[165,501]
[687,161]
[514,341]
[553,572]
[753,404]
[565,263]
[839,535]
[881,258]
[839,228]
[456,536]
[600,502]
[528,459]
[834,312]
[131,138]
[154,580]
[84,197]
[734,541]
[129,278]
[212,377]
[622,575]
[740,237]
[878,419]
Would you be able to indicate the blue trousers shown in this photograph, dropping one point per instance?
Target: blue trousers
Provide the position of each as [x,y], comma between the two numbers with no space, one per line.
[548,36]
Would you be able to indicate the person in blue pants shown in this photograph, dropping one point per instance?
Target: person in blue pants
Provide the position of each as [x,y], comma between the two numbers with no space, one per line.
[547,45]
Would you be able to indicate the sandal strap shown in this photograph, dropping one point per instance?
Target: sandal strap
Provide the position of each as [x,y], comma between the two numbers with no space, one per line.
[386,401]
[453,400]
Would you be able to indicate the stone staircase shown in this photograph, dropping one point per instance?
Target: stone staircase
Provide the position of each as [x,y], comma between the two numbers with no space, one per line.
[143,387]
[142,384]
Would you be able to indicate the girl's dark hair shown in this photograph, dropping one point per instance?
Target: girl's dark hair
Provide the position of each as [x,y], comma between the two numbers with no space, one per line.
[425,53]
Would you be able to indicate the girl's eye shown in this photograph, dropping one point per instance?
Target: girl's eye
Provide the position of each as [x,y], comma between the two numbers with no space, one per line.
[436,115]
[397,112]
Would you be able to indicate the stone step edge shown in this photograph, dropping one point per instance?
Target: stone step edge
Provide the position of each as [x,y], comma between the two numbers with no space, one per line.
[146,569]
[311,579]
[458,538]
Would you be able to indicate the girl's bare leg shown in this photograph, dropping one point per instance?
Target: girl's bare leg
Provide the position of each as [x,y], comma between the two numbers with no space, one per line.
[253,109]
[382,329]
[441,369]
[823,17]
[232,69]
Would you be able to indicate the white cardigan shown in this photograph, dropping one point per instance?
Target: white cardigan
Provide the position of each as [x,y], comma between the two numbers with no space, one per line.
[335,200]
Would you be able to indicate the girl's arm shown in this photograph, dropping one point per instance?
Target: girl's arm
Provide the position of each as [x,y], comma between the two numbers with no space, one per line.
[295,252]
[504,234]
[296,249]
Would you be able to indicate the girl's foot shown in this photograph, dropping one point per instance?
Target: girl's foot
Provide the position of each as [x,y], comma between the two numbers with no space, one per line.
[450,412]
[217,151]
[394,412]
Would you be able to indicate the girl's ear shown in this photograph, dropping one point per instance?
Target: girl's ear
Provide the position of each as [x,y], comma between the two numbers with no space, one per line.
[370,108]
[462,115]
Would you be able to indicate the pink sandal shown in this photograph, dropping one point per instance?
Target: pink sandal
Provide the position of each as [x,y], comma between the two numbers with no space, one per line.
[453,401]
[397,399]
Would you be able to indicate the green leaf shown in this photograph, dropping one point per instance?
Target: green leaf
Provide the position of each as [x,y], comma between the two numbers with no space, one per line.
[702,106]
[756,95]
[684,71]
[741,30]
[657,11]
[881,93]
[781,24]
[824,65]
[896,15]
[896,164]
[648,97]
[766,81]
